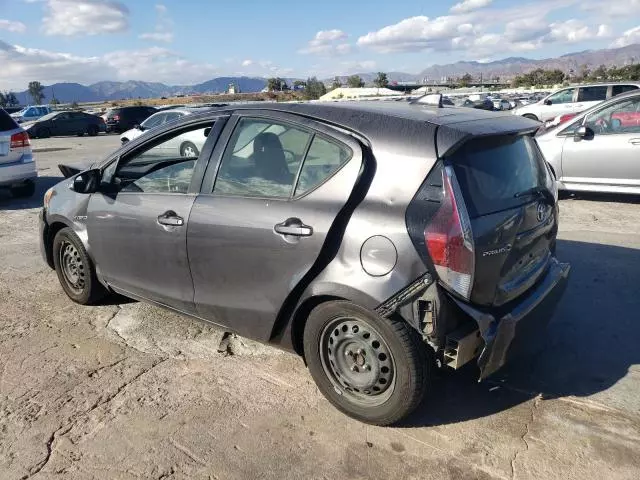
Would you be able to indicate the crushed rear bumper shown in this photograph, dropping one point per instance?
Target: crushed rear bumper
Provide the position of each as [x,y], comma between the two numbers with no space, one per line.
[507,333]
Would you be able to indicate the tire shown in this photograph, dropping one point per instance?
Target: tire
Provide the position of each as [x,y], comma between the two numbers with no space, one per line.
[75,270]
[531,116]
[124,141]
[92,131]
[44,133]
[373,369]
[80,134]
[188,149]
[25,190]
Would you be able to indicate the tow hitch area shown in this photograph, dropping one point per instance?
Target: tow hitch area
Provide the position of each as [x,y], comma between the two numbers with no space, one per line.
[462,346]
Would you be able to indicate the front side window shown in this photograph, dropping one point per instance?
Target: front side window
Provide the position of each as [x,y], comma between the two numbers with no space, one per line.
[621,117]
[262,159]
[563,96]
[164,167]
[592,94]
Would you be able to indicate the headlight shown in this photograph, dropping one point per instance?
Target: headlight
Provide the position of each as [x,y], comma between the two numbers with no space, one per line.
[47,197]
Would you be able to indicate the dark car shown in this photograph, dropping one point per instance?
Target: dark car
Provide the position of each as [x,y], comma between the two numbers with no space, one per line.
[65,123]
[121,119]
[375,239]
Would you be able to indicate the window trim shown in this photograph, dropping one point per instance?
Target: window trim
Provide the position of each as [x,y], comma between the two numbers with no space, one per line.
[277,120]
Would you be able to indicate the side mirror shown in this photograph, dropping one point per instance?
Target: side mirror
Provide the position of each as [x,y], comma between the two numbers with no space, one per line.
[87,182]
[137,126]
[548,102]
[583,133]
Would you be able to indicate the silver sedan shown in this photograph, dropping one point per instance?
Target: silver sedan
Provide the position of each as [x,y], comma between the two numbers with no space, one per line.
[599,150]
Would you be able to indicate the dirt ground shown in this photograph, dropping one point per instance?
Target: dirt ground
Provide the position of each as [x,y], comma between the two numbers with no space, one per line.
[128,391]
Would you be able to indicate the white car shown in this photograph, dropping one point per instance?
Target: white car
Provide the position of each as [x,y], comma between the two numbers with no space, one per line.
[572,100]
[17,167]
[31,113]
[155,120]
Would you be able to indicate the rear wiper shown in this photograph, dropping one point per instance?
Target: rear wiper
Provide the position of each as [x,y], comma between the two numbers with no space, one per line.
[536,191]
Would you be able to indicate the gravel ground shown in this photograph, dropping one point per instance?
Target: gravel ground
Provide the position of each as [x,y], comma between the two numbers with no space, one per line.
[130,391]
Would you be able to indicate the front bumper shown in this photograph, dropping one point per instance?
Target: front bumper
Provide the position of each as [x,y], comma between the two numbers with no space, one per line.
[510,332]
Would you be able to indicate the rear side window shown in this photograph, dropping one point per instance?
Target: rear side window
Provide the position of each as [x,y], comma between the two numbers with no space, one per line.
[323,159]
[495,173]
[6,122]
[592,94]
[618,89]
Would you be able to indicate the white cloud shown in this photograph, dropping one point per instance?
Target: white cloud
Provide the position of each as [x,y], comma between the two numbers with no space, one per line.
[604,31]
[325,42]
[570,31]
[14,27]
[611,8]
[247,63]
[84,17]
[469,5]
[629,37]
[20,65]
[163,31]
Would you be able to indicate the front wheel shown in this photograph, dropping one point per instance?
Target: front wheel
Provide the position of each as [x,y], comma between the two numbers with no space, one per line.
[75,270]
[92,131]
[374,369]
[531,116]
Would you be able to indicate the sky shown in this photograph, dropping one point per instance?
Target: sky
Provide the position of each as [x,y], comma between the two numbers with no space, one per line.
[183,42]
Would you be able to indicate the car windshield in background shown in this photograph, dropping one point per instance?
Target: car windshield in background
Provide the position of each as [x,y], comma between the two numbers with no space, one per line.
[495,172]
[48,116]
[6,122]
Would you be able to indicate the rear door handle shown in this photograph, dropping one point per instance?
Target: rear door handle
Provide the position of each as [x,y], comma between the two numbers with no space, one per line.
[171,219]
[294,227]
[635,141]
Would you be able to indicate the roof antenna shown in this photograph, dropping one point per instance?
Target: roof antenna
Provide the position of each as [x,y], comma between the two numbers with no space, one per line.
[433,99]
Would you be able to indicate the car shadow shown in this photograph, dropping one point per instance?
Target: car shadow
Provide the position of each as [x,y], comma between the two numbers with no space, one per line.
[589,345]
[8,202]
[600,197]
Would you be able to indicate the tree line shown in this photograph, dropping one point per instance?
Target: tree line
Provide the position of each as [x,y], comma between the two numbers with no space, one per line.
[314,88]
[584,74]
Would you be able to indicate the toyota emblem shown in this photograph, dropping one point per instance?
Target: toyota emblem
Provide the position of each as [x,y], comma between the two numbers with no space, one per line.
[540,211]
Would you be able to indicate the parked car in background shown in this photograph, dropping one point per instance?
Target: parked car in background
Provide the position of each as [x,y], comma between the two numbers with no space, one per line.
[156,120]
[65,123]
[11,110]
[573,99]
[121,119]
[599,150]
[31,113]
[275,231]
[17,167]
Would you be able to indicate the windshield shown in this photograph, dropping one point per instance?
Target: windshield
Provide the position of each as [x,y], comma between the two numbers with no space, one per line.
[48,116]
[495,172]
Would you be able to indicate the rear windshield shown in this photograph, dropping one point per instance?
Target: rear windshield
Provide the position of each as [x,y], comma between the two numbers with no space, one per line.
[496,172]
[6,122]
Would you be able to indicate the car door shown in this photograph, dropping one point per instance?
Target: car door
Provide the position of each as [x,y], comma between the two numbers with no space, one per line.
[264,215]
[61,124]
[137,224]
[610,156]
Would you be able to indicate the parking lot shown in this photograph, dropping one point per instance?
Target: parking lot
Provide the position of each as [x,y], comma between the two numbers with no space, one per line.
[126,390]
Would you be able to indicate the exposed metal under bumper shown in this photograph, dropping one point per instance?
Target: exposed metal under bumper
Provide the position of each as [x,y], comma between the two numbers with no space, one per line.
[504,336]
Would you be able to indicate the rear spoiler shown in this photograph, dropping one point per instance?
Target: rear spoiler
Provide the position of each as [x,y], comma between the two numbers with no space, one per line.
[71,169]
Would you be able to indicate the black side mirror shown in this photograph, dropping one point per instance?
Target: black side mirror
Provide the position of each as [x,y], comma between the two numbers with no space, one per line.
[138,127]
[548,102]
[583,133]
[87,182]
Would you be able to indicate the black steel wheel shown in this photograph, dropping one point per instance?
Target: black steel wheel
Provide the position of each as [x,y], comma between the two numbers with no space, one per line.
[75,270]
[371,368]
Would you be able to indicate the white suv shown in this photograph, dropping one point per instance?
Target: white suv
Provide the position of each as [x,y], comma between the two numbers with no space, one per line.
[17,168]
[573,100]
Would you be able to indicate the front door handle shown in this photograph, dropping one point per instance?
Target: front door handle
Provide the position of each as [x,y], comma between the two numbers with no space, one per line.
[294,227]
[635,141]
[170,219]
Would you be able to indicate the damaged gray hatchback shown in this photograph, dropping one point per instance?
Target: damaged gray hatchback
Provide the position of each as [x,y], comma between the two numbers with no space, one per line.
[375,239]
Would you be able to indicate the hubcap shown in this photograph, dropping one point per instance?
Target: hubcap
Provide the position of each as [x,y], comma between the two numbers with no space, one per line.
[72,266]
[357,360]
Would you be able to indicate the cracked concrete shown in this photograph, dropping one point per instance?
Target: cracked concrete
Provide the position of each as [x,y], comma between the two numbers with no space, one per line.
[135,392]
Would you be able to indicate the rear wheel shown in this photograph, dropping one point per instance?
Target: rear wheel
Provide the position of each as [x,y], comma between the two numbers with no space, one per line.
[92,131]
[75,269]
[188,149]
[25,190]
[373,369]
[531,116]
[44,132]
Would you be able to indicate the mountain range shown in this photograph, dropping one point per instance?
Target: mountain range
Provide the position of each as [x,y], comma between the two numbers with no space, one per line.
[505,69]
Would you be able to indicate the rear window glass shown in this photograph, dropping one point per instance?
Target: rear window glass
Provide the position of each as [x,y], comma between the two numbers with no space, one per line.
[493,171]
[618,89]
[592,94]
[6,122]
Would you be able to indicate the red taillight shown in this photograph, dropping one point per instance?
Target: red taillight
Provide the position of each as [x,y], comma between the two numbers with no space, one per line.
[449,239]
[20,140]
[567,116]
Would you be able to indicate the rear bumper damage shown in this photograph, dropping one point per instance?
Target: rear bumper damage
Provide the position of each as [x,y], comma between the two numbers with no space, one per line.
[506,334]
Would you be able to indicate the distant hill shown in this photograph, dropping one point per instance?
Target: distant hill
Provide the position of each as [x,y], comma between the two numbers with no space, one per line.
[505,69]
[510,67]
